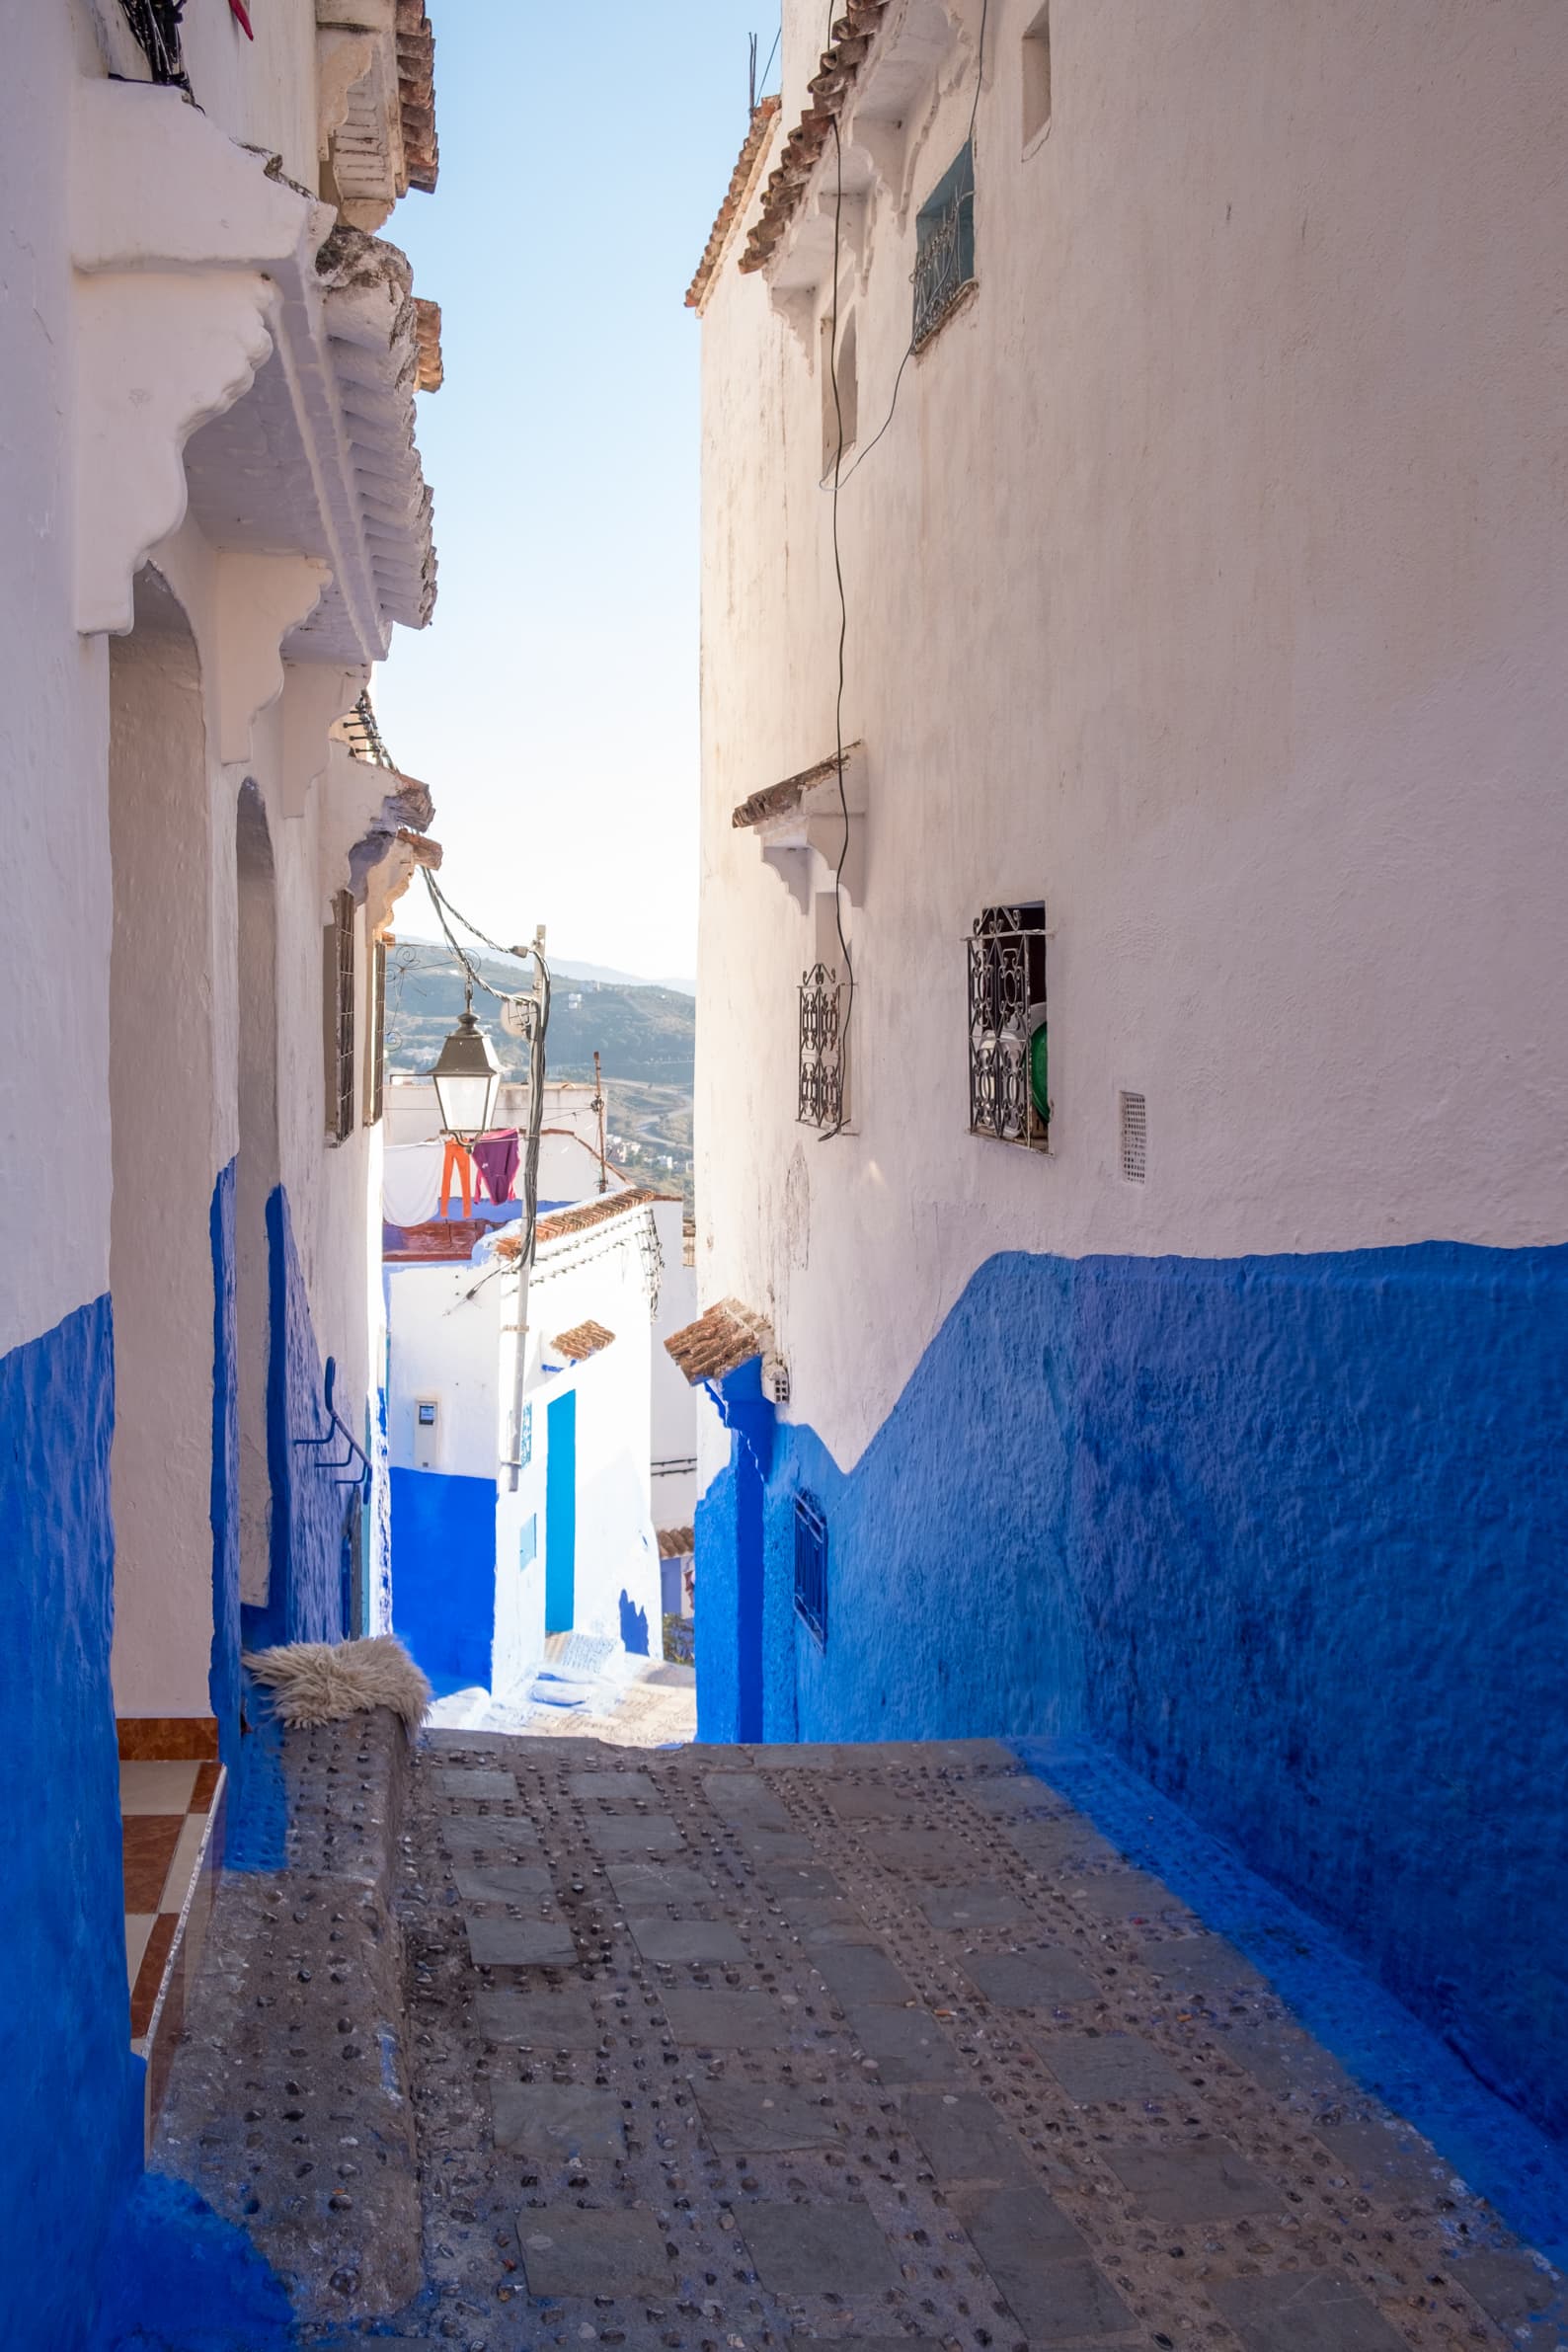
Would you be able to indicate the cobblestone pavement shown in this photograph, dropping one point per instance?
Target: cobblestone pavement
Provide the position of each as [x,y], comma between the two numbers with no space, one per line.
[729,2050]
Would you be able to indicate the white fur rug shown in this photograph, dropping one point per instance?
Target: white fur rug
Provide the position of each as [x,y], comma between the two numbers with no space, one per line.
[322,1682]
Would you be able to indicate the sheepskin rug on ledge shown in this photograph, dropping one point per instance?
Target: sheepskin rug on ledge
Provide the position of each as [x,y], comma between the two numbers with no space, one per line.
[322,1682]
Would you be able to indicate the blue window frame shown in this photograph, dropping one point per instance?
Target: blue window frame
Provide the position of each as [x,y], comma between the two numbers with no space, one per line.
[944,245]
[810,1564]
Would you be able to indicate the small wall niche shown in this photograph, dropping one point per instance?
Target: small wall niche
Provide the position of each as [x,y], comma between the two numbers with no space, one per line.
[1036,46]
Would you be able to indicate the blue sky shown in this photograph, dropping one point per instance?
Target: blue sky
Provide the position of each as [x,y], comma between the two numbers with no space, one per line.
[552,703]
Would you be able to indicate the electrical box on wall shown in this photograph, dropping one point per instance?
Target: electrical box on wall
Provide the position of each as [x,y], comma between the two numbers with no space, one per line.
[426,1433]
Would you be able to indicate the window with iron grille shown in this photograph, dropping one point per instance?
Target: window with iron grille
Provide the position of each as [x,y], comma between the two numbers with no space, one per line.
[338,1008]
[810,1564]
[944,246]
[820,1095]
[375,1034]
[1009,1088]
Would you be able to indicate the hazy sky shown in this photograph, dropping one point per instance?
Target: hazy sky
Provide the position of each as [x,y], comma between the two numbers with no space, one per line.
[552,703]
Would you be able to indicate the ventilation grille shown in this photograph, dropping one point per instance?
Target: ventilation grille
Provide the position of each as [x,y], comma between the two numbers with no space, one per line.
[1135,1138]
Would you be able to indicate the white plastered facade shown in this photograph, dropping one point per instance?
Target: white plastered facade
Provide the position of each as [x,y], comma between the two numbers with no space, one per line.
[198,585]
[1207,583]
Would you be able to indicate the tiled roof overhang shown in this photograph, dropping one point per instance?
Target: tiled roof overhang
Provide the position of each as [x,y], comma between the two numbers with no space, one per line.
[736,196]
[777,799]
[583,1340]
[719,1342]
[830,87]
[676,1543]
[417,95]
[563,1222]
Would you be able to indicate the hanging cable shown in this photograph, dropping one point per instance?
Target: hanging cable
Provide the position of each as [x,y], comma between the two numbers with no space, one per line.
[828,1134]
[909,348]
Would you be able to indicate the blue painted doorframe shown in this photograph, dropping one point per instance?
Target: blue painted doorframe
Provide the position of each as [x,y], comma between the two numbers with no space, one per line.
[559,1515]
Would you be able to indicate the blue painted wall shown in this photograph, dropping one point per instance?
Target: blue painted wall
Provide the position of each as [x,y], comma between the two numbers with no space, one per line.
[306,1598]
[560,1514]
[443,1593]
[224,1675]
[1288,1533]
[73,2090]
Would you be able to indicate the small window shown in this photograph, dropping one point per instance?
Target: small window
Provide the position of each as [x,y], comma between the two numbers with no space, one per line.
[338,1023]
[839,413]
[1134,1137]
[528,1540]
[375,1039]
[810,1564]
[944,246]
[1009,1067]
[1037,76]
[819,1075]
[525,1438]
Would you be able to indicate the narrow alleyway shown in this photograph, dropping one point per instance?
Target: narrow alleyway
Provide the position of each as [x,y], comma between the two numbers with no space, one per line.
[723,2050]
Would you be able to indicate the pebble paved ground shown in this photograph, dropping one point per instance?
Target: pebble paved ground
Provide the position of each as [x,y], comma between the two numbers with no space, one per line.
[725,2051]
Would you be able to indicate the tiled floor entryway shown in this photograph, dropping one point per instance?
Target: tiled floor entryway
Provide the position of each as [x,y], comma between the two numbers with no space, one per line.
[170,1829]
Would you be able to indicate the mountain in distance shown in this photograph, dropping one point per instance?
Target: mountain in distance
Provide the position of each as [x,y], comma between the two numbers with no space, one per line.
[645,1034]
[606,975]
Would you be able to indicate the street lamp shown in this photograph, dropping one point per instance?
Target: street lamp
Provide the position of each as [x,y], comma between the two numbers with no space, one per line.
[467,1078]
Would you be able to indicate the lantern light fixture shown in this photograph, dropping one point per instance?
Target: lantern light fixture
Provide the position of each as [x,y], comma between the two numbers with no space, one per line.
[467,1078]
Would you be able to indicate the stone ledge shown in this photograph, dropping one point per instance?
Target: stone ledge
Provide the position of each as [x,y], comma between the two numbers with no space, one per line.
[288,2106]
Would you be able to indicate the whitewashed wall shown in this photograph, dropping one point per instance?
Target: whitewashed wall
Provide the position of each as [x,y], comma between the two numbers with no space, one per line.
[1207,583]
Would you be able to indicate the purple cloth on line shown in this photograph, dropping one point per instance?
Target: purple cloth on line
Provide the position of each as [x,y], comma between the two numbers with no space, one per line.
[496,1158]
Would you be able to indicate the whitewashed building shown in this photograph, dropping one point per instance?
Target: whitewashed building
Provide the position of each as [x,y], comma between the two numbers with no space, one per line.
[1132,1065]
[214,517]
[521,1491]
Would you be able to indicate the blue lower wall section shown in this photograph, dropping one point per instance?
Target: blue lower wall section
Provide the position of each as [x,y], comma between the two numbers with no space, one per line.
[224,1677]
[1285,1534]
[443,1598]
[306,1601]
[73,2090]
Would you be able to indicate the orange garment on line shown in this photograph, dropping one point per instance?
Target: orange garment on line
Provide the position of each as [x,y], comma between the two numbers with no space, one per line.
[457,1159]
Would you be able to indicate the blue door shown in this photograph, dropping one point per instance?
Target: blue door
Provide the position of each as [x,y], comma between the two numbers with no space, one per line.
[559,1515]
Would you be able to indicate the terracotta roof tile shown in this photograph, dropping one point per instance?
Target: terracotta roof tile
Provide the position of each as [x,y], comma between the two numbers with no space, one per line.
[431,371]
[417,95]
[583,1340]
[742,181]
[444,1239]
[829,89]
[582,1219]
[774,800]
[676,1543]
[725,1337]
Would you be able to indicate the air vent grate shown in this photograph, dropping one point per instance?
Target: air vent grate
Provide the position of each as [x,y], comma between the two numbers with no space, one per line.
[1135,1138]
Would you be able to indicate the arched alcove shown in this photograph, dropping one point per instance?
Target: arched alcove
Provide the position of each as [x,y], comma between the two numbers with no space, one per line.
[162,1165]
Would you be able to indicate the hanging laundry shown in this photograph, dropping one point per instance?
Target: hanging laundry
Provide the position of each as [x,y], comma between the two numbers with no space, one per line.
[496,1158]
[456,1162]
[410,1176]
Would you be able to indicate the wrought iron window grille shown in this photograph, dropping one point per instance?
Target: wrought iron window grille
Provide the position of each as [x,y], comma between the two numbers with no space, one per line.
[155,28]
[340,1021]
[1009,1095]
[375,1040]
[819,1093]
[810,1564]
[944,246]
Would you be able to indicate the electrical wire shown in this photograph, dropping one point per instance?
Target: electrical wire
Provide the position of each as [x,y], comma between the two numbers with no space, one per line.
[909,348]
[836,1129]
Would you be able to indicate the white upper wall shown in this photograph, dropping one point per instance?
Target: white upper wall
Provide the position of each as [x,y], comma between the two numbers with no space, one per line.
[1207,583]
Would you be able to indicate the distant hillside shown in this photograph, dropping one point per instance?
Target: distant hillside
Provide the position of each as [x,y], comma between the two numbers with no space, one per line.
[644,1034]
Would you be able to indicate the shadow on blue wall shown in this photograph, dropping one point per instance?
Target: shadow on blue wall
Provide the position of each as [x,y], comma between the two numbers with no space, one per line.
[73,2089]
[1286,1533]
[176,2278]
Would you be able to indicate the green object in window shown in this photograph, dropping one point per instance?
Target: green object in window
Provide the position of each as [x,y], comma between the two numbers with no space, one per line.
[1039,1073]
